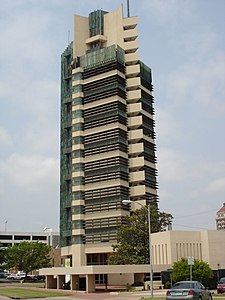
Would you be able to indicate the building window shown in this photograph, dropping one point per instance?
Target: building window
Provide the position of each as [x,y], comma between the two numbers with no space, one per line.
[21,237]
[5,237]
[39,238]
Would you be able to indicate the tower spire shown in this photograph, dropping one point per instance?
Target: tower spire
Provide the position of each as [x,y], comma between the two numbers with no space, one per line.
[128,8]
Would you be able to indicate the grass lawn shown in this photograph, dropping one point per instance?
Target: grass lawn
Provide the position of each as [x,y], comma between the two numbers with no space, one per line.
[31,284]
[26,293]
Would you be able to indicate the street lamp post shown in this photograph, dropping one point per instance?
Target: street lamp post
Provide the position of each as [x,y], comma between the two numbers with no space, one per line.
[150,243]
[6,222]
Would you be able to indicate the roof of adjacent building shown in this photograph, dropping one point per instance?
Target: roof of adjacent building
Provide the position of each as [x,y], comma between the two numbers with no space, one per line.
[222,209]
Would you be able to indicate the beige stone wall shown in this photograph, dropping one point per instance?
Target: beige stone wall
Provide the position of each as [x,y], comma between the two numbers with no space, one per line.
[113,27]
[120,279]
[170,246]
[213,248]
[81,33]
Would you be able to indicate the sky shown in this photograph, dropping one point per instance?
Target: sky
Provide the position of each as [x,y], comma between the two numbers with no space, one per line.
[183,41]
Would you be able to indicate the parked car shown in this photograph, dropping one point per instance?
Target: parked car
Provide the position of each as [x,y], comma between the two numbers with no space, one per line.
[29,278]
[40,277]
[18,276]
[3,275]
[183,290]
[221,286]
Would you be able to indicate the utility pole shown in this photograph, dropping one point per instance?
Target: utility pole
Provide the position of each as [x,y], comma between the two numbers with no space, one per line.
[6,222]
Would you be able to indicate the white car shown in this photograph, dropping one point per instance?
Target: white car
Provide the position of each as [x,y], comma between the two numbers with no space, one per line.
[17,276]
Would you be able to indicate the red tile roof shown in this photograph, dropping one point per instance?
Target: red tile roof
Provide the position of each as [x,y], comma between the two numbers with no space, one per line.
[222,209]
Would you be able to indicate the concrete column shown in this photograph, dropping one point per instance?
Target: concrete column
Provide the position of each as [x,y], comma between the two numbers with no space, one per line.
[75,282]
[90,283]
[51,282]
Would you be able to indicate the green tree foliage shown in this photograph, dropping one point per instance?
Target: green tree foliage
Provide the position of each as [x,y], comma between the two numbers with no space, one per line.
[200,271]
[28,256]
[133,236]
[2,257]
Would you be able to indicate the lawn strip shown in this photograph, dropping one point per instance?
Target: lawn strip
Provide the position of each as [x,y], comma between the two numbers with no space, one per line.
[26,293]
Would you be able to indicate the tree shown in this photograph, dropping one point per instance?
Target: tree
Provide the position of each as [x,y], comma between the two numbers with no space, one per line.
[133,237]
[2,257]
[200,271]
[28,256]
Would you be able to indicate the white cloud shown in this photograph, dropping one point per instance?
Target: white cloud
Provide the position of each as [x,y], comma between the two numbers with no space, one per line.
[217,186]
[32,173]
[170,165]
[166,124]
[166,11]
[200,83]
[5,138]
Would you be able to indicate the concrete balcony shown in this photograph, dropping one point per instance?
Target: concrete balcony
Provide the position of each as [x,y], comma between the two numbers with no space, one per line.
[77,120]
[135,135]
[74,83]
[133,95]
[77,147]
[131,58]
[136,149]
[77,188]
[131,22]
[137,176]
[78,232]
[78,174]
[130,46]
[133,83]
[77,106]
[134,108]
[74,203]
[79,217]
[77,70]
[137,191]
[132,71]
[77,95]
[136,162]
[135,122]
[96,38]
[130,34]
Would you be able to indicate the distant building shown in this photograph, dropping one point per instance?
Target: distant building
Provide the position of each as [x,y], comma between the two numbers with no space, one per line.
[10,238]
[220,218]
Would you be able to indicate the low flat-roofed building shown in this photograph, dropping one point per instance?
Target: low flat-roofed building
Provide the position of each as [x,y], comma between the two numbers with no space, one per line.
[167,247]
[171,246]
[10,238]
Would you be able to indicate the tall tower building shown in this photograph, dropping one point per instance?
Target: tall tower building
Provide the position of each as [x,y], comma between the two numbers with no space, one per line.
[220,218]
[108,151]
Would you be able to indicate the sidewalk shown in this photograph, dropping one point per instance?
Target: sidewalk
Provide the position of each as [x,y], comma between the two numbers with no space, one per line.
[105,296]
